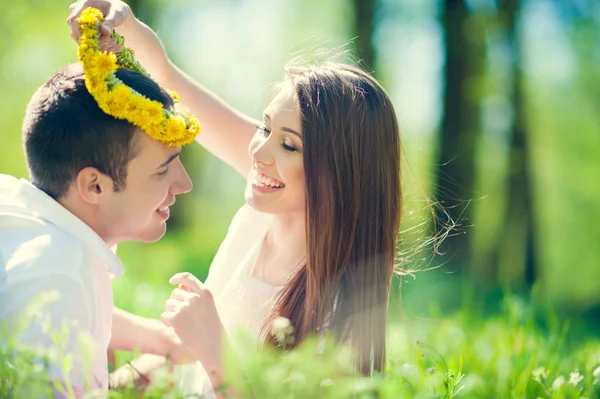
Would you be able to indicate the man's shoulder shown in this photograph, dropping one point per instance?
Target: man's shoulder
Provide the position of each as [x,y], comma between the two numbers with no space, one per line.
[34,247]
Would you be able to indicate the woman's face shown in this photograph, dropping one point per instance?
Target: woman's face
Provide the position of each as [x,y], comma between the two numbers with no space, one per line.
[276,184]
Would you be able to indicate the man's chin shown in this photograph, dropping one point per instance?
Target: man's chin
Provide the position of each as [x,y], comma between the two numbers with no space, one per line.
[153,236]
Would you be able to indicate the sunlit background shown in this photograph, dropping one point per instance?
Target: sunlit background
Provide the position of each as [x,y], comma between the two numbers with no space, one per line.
[507,146]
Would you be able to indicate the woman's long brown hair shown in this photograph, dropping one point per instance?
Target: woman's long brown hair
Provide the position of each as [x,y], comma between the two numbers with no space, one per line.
[351,148]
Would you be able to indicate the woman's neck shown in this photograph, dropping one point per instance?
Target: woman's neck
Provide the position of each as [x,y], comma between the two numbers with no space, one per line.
[284,248]
[287,234]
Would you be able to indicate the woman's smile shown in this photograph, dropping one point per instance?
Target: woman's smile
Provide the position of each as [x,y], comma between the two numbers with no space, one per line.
[265,184]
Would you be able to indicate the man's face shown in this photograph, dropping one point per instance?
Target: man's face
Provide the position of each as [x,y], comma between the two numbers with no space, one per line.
[140,210]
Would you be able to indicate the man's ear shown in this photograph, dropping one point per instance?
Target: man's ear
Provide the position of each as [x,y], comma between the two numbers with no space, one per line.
[92,186]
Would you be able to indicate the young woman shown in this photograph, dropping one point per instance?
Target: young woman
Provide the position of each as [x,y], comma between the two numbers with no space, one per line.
[316,241]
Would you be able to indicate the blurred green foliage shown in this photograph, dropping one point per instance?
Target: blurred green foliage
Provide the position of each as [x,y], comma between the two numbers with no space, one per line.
[517,354]
[238,48]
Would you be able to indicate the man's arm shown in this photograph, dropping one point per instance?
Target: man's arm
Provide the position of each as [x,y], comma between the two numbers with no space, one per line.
[51,320]
[135,333]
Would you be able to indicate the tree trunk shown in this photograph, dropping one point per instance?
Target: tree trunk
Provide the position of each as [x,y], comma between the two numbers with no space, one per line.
[364,13]
[517,257]
[465,50]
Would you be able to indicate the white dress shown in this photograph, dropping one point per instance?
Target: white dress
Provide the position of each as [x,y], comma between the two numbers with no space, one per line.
[242,300]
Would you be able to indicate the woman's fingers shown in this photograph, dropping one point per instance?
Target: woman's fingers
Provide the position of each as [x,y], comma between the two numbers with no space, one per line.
[109,44]
[105,30]
[189,281]
[74,30]
[115,13]
[167,318]
[173,305]
[180,294]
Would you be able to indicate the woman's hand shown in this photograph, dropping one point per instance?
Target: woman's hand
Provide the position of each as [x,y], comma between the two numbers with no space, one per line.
[192,314]
[115,14]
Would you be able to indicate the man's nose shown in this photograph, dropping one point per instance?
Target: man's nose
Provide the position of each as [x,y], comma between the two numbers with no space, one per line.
[183,183]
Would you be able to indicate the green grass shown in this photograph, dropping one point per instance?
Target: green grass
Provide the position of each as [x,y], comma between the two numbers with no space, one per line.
[523,351]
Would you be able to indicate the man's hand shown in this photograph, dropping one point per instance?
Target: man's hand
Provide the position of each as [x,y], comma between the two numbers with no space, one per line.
[115,13]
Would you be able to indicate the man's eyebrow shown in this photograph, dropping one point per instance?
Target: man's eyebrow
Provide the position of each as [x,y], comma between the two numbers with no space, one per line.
[169,160]
[284,128]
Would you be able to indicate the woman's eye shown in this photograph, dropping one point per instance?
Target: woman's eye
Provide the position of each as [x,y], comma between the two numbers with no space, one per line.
[164,172]
[264,129]
[288,147]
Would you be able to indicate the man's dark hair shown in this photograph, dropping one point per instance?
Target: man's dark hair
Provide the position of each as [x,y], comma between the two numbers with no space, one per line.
[65,131]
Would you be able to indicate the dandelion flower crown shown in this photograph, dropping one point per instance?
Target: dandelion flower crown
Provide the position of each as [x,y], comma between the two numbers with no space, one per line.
[173,128]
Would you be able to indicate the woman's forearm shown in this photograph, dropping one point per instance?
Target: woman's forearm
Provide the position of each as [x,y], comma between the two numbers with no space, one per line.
[225,132]
[148,48]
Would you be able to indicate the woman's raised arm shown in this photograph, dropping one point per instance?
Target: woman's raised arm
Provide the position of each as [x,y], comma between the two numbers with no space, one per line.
[226,132]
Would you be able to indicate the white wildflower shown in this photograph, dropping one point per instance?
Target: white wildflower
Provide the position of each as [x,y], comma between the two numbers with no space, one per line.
[558,382]
[281,324]
[596,372]
[328,382]
[282,329]
[539,374]
[575,378]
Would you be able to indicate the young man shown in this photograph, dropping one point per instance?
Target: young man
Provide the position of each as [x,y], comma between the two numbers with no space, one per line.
[95,181]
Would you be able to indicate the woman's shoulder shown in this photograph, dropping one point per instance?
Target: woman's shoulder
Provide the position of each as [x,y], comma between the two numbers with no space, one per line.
[249,220]
[247,228]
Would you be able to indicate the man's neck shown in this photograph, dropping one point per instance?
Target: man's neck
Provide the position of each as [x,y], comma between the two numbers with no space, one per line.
[86,215]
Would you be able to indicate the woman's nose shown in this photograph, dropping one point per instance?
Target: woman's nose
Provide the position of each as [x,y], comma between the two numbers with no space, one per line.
[262,153]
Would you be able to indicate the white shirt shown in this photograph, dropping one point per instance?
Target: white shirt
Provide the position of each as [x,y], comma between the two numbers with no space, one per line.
[242,300]
[45,248]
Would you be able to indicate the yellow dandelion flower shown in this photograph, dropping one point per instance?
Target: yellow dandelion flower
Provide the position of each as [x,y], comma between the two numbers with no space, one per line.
[90,16]
[155,112]
[106,63]
[175,96]
[141,118]
[176,127]
[155,131]
[194,127]
[121,93]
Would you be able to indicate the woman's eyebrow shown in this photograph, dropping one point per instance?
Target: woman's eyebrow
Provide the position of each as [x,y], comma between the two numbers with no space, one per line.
[287,129]
[284,128]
